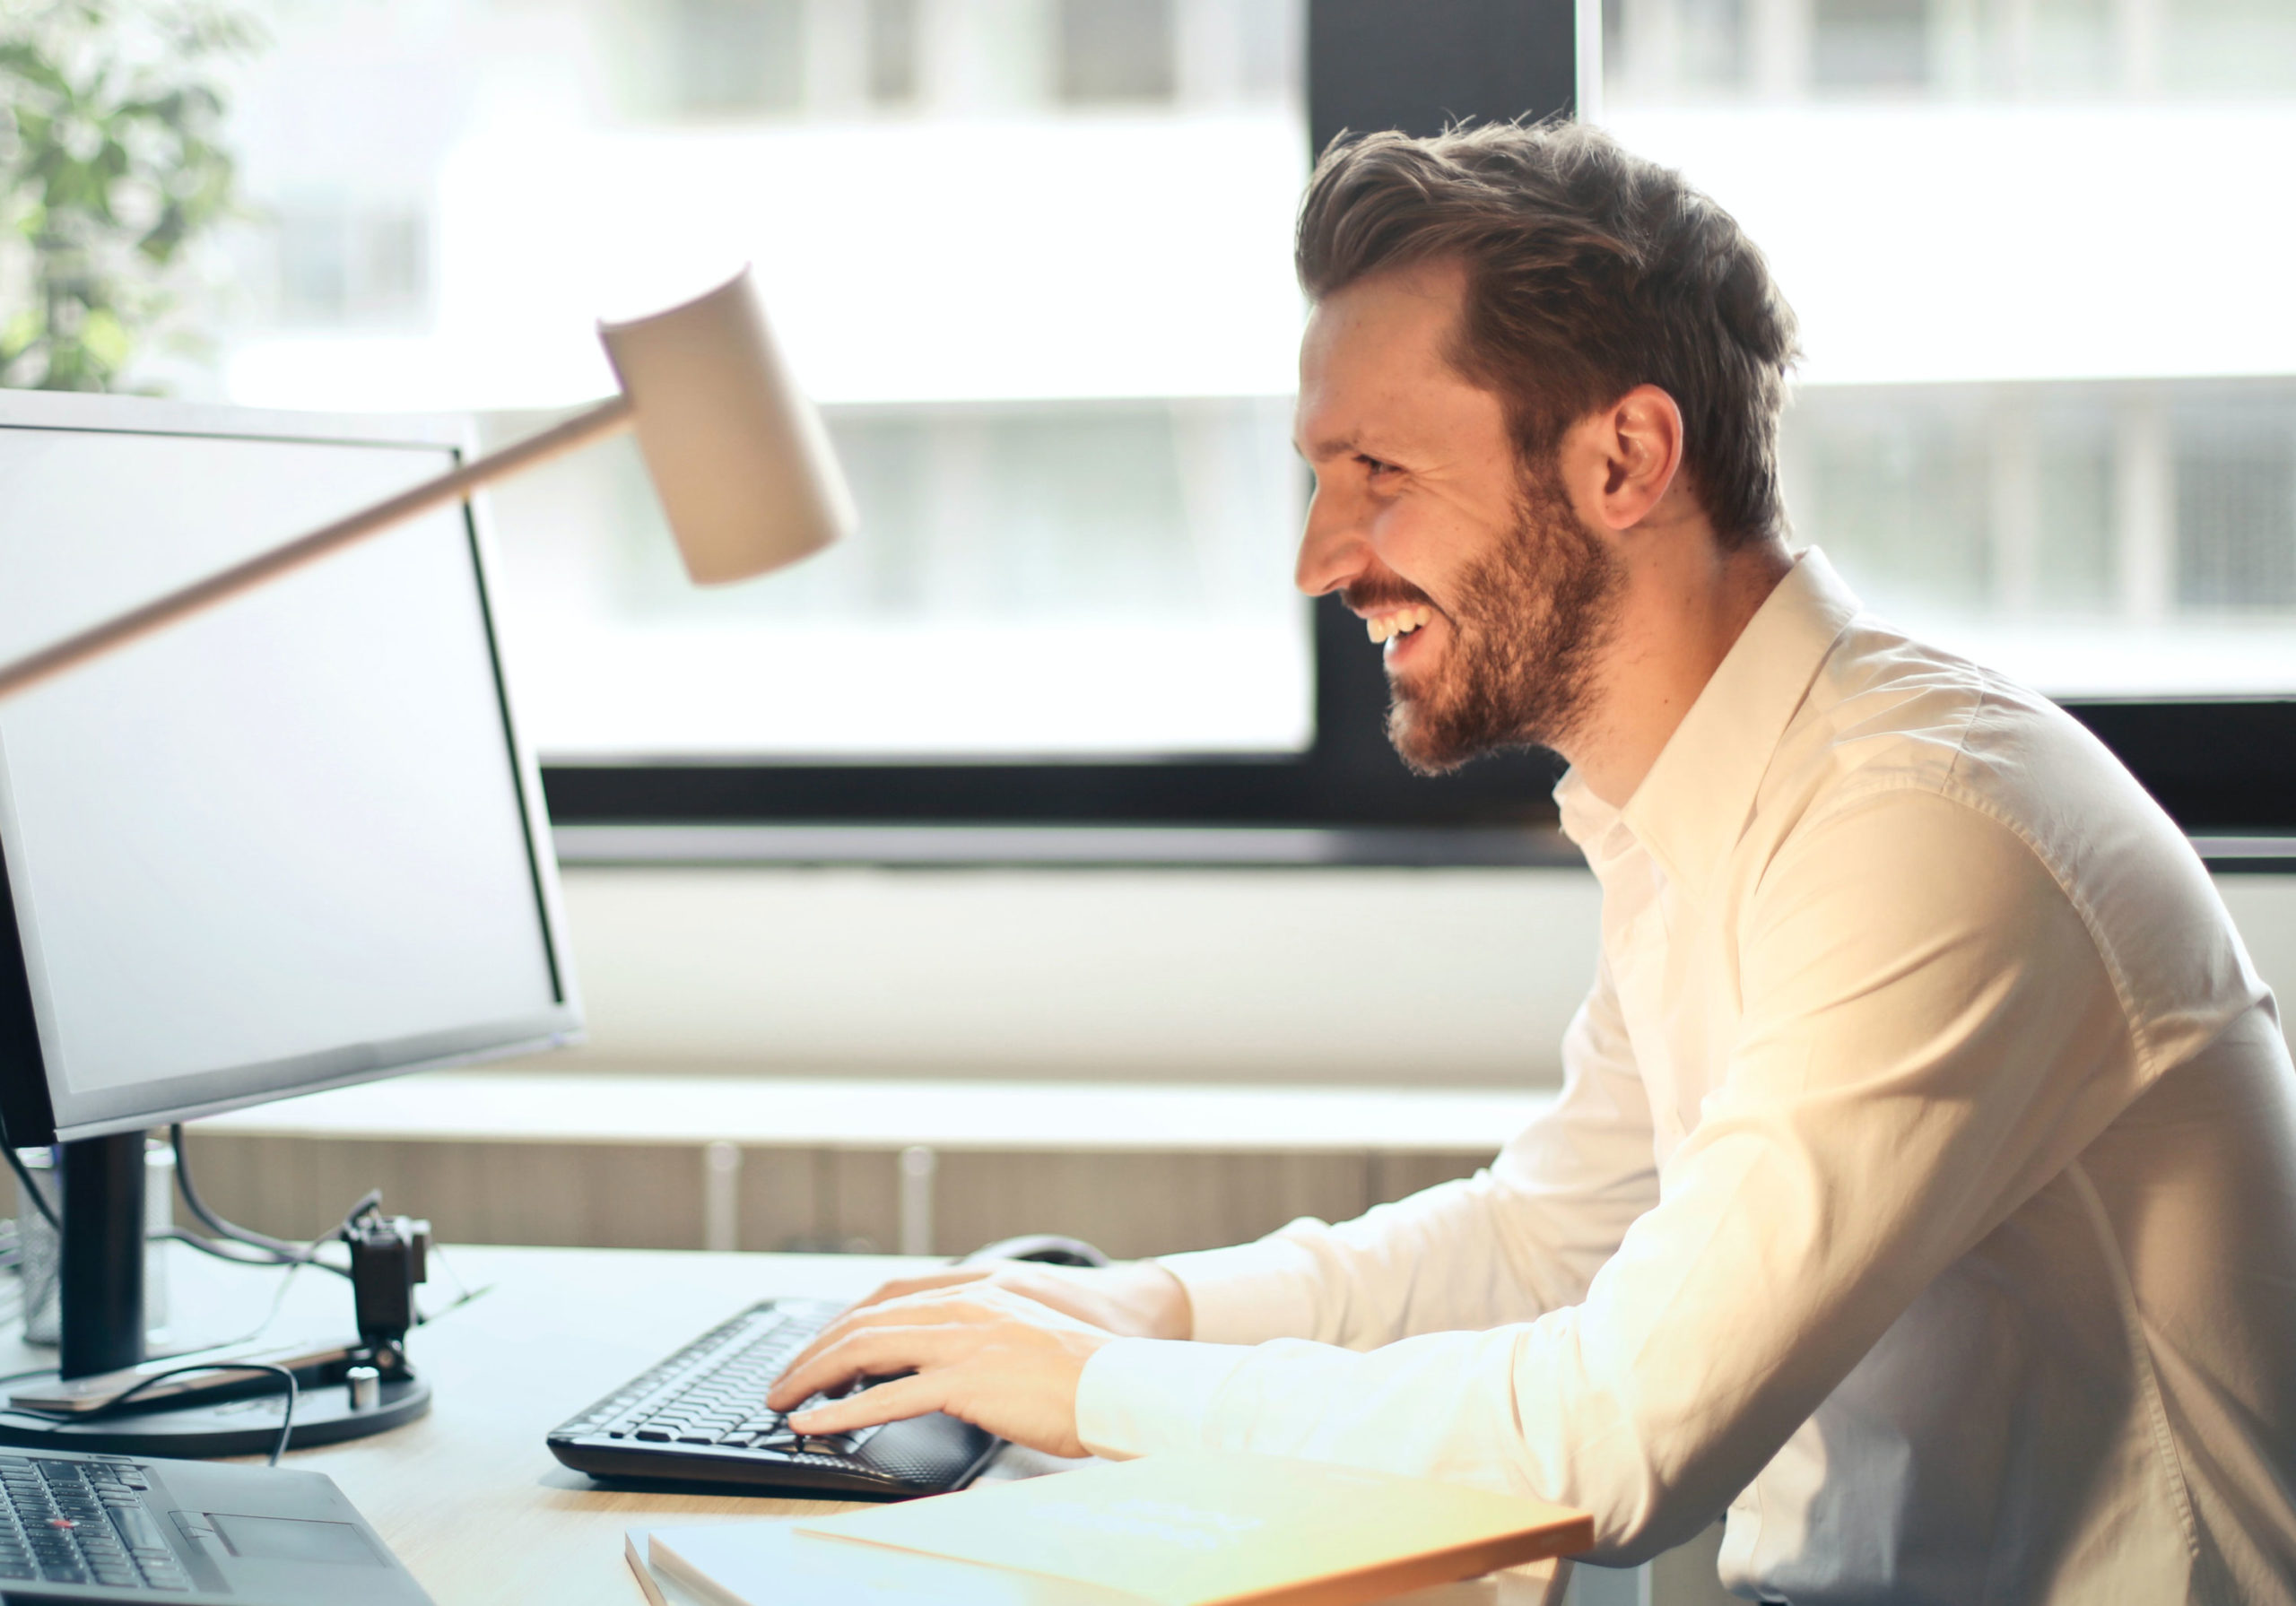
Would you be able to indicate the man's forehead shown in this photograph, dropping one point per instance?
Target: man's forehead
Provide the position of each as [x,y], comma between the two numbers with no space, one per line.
[1411,312]
[1375,353]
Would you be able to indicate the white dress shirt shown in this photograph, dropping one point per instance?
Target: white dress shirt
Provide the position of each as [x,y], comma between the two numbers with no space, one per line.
[1922,1189]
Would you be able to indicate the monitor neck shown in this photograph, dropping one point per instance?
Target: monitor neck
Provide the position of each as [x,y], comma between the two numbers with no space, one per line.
[102,1282]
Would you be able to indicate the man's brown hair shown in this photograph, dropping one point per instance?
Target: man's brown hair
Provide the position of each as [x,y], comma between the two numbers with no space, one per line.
[1590,271]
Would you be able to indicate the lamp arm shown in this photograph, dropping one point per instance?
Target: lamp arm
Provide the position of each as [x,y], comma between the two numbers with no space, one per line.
[579,430]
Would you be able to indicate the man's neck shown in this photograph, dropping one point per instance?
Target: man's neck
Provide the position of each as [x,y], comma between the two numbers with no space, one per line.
[1684,606]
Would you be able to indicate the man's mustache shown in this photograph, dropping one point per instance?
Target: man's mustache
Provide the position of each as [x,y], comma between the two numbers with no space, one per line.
[1372,596]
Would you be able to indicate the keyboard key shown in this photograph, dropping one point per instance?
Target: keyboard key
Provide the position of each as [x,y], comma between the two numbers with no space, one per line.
[656,1436]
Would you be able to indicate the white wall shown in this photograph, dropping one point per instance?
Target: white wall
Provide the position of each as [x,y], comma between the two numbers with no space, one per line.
[1366,975]
[1454,976]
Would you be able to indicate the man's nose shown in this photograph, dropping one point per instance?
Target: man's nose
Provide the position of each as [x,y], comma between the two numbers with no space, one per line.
[1333,548]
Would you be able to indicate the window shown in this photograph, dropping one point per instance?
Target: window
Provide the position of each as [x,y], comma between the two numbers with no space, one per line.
[1870,44]
[893,45]
[2036,418]
[1090,577]
[1033,258]
[732,56]
[1014,281]
[1115,50]
[343,264]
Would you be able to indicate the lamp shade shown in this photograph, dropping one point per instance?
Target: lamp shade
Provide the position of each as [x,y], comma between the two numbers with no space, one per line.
[737,452]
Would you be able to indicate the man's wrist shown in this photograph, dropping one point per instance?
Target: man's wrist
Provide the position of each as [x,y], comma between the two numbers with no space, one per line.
[1157,1301]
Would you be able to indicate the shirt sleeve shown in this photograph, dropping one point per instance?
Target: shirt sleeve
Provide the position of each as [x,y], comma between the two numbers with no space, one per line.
[1928,1034]
[1519,1238]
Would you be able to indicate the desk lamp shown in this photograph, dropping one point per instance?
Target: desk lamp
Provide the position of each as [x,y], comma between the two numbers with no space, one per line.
[735,451]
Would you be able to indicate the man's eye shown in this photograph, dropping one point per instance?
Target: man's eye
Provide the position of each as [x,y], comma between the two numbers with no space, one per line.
[1374,466]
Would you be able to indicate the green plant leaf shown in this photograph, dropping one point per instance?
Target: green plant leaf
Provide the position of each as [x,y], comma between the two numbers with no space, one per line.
[106,105]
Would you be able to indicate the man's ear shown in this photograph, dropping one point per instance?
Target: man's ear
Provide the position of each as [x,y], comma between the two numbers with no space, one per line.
[1620,462]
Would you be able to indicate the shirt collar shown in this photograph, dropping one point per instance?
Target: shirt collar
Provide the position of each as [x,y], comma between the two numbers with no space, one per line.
[1690,808]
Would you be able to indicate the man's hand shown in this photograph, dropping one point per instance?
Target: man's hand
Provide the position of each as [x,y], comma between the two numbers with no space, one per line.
[1136,1300]
[1000,1346]
[991,1356]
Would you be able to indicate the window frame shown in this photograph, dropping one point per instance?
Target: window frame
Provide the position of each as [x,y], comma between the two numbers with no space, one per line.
[2224,769]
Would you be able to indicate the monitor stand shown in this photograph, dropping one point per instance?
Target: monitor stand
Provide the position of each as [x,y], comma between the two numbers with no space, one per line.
[100,1286]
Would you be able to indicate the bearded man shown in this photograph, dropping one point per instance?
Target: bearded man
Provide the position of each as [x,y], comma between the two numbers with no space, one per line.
[1922,1190]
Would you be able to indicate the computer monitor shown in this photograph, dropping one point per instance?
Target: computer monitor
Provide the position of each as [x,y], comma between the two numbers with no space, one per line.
[288,845]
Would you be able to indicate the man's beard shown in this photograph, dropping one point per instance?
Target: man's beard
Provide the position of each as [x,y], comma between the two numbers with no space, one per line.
[1528,625]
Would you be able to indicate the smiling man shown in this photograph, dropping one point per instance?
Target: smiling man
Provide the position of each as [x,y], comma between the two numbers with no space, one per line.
[1923,1186]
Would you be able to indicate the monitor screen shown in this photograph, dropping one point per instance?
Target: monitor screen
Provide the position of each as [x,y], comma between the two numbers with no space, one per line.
[288,842]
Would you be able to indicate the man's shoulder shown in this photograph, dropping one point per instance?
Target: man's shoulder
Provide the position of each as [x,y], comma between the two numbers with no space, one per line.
[1889,713]
[1893,725]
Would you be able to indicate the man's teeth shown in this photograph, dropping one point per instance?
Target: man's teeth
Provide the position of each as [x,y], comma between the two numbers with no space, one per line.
[1384,627]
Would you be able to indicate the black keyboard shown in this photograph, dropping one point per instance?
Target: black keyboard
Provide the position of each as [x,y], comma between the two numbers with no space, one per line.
[701,1416]
[83,1519]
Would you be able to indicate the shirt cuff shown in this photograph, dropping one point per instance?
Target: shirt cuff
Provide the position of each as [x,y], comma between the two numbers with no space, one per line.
[1137,1396]
[1248,1294]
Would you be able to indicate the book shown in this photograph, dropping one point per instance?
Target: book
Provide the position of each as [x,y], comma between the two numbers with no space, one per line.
[771,1564]
[659,1588]
[1205,1528]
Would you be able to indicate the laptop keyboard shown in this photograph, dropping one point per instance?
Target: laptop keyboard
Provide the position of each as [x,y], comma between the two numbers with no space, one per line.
[74,1520]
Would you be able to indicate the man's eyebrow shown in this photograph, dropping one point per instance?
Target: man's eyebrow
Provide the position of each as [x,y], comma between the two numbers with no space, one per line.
[1331,445]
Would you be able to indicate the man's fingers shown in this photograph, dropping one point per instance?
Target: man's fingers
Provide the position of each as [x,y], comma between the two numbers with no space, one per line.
[858,1353]
[887,1402]
[919,1309]
[884,1293]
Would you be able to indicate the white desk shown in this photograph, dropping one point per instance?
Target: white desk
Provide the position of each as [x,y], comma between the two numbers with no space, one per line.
[468,1496]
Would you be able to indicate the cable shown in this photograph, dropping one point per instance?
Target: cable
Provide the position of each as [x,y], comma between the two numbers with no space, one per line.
[214,1223]
[286,1419]
[463,1292]
[271,1252]
[222,1250]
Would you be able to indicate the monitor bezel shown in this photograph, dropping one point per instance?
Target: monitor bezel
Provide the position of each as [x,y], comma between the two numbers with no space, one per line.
[34,1109]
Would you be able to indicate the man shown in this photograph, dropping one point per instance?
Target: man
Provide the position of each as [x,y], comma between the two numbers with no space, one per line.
[1923,1186]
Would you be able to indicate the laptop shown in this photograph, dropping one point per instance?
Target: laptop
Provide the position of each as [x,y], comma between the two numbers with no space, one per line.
[77,1527]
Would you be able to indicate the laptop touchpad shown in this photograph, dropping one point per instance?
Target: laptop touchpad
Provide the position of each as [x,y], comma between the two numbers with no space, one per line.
[293,1539]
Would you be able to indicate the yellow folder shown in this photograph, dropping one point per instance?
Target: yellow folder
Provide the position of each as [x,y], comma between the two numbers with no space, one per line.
[1205,1529]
